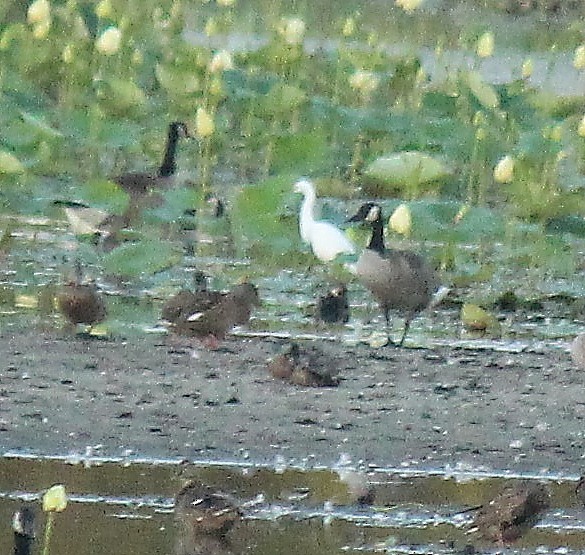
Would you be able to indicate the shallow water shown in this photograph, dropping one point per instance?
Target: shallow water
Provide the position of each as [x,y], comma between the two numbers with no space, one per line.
[126,505]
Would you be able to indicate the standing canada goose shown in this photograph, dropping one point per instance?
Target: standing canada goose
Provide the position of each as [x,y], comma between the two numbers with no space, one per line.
[512,512]
[400,280]
[140,184]
[326,240]
[80,302]
[23,526]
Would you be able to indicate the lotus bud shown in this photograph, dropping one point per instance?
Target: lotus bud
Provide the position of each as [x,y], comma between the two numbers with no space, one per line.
[485,45]
[221,61]
[108,42]
[292,30]
[204,125]
[504,170]
[348,27]
[137,57]
[401,220]
[364,81]
[67,54]
[55,499]
[527,68]
[581,128]
[579,58]
[409,5]
[39,12]
[226,3]
[104,9]
[41,30]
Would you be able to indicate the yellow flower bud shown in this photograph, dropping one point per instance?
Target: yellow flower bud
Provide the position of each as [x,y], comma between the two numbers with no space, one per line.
[504,170]
[67,54]
[108,42]
[581,128]
[137,57]
[485,45]
[204,125]
[579,58]
[41,30]
[292,29]
[39,12]
[104,9]
[409,5]
[210,27]
[348,27]
[55,499]
[216,87]
[401,220]
[364,81]
[221,61]
[556,133]
[226,3]
[527,68]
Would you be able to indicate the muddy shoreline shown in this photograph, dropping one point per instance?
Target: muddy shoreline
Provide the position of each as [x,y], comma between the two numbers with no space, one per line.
[427,408]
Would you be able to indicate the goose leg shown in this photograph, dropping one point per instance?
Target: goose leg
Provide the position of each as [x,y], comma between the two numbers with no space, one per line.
[388,327]
[406,328]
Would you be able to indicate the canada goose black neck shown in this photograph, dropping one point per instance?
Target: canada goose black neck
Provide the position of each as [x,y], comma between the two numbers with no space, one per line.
[169,166]
[377,239]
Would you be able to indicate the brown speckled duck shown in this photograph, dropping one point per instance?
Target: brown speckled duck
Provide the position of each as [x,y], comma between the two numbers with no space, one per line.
[81,303]
[511,513]
[400,280]
[333,307]
[232,309]
[187,302]
[309,368]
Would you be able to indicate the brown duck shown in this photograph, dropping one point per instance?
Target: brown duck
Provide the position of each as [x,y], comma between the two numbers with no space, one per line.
[232,309]
[309,368]
[511,513]
[186,302]
[80,302]
[203,517]
[400,280]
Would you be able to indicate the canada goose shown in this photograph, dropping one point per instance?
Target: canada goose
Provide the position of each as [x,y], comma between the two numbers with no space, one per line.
[232,309]
[511,513]
[140,184]
[400,280]
[333,306]
[23,526]
[326,240]
[80,302]
[203,517]
[309,368]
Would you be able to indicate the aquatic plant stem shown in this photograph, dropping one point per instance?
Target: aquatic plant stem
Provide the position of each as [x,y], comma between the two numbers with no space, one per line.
[48,532]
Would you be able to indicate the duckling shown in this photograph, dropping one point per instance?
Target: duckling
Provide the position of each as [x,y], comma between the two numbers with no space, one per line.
[511,513]
[333,306]
[23,526]
[139,184]
[187,302]
[326,240]
[204,517]
[308,369]
[400,280]
[232,309]
[80,302]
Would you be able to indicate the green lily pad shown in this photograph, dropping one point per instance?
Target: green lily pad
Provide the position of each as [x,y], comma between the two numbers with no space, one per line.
[104,195]
[10,164]
[144,257]
[409,168]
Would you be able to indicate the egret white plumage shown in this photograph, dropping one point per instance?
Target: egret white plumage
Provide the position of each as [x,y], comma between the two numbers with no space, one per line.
[326,240]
